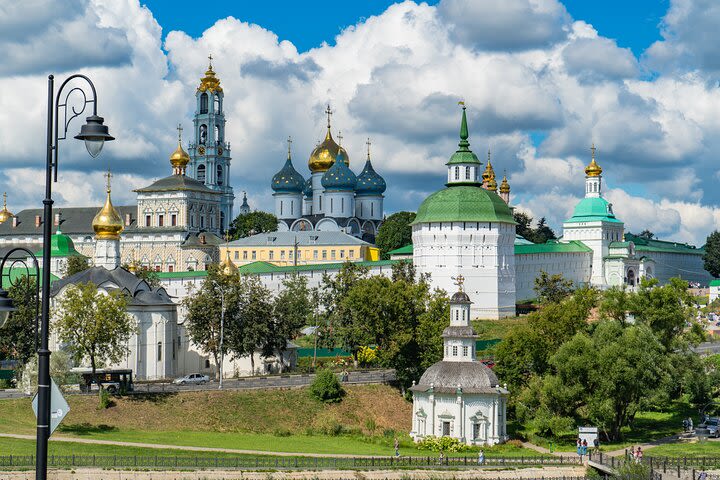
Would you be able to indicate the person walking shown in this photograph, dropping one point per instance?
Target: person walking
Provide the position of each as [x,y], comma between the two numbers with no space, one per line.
[584,447]
[397,447]
[596,445]
[690,424]
[578,446]
[481,457]
[638,455]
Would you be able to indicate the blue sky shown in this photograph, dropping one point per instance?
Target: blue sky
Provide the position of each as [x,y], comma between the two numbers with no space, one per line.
[543,80]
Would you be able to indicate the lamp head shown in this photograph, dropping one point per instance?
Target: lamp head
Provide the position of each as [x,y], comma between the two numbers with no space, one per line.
[7,306]
[95,134]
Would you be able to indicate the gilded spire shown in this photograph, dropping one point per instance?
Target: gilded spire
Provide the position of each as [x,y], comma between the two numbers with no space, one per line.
[593,169]
[210,82]
[179,158]
[5,213]
[227,267]
[107,224]
[504,185]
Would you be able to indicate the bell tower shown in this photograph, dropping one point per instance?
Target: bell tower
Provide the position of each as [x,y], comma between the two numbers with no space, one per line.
[210,152]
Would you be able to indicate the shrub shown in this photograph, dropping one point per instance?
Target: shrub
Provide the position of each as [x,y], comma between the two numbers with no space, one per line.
[442,444]
[370,425]
[367,356]
[515,443]
[104,399]
[326,387]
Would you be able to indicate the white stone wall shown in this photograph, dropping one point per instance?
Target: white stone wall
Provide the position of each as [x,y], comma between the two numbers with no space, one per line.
[339,204]
[598,236]
[572,266]
[369,207]
[288,205]
[686,266]
[482,252]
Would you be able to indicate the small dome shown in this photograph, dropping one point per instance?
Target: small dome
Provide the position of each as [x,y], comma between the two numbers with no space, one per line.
[468,375]
[369,182]
[210,82]
[107,224]
[339,176]
[5,214]
[593,169]
[460,297]
[464,203]
[308,190]
[179,158]
[504,185]
[288,180]
[227,267]
[324,155]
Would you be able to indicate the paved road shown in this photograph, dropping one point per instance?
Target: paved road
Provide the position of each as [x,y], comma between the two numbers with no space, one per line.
[247,383]
[707,348]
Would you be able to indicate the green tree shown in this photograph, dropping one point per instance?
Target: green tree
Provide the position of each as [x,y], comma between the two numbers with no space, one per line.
[204,312]
[252,223]
[540,234]
[646,234]
[93,325]
[711,257]
[431,324]
[150,276]
[395,232]
[552,288]
[665,309]
[615,303]
[326,387]
[75,264]
[18,337]
[543,232]
[292,309]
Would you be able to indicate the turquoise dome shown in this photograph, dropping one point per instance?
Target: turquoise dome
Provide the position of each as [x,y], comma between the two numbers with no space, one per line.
[339,176]
[307,191]
[369,182]
[288,180]
[593,209]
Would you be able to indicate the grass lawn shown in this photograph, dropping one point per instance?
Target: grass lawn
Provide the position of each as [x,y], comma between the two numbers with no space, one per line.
[491,329]
[704,449]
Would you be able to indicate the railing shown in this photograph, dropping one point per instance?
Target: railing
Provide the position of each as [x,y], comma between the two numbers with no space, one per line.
[269,462]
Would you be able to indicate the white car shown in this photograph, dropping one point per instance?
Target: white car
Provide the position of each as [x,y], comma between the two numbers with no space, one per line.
[193,378]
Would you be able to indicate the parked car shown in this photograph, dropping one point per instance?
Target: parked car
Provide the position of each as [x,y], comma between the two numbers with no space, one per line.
[713,426]
[193,378]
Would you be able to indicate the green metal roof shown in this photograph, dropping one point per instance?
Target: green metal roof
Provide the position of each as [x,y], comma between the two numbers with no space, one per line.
[464,203]
[406,250]
[573,246]
[14,274]
[715,283]
[61,245]
[619,244]
[652,245]
[593,209]
[188,274]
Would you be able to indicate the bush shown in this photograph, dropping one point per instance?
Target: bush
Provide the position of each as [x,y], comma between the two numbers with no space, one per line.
[326,387]
[367,356]
[104,399]
[442,444]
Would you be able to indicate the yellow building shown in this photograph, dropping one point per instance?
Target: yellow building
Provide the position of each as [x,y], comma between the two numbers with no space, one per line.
[299,248]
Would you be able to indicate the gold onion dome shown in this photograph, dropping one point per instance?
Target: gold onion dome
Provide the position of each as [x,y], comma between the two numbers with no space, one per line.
[593,169]
[324,155]
[504,185]
[488,176]
[5,214]
[179,158]
[227,267]
[210,83]
[107,224]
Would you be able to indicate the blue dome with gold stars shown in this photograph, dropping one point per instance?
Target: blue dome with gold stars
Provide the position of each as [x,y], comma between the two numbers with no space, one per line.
[288,180]
[339,176]
[369,182]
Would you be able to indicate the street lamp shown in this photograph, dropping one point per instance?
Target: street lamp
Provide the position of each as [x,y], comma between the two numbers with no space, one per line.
[95,134]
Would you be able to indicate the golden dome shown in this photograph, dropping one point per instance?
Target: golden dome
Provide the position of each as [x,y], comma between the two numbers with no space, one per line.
[179,158]
[107,224]
[227,267]
[488,176]
[210,82]
[324,155]
[504,185]
[593,169]
[5,214]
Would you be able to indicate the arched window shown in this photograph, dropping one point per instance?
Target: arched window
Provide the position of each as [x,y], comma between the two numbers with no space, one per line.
[218,135]
[457,173]
[204,103]
[201,173]
[219,175]
[467,173]
[218,104]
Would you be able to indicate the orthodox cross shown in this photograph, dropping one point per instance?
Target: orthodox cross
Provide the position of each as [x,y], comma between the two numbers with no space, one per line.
[5,199]
[329,112]
[340,137]
[108,176]
[210,58]
[592,149]
[289,142]
[179,129]
[459,280]
[368,145]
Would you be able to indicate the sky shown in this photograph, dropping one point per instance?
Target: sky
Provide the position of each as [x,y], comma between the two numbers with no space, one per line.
[542,81]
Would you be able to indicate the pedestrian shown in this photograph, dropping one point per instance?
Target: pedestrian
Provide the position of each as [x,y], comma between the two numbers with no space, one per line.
[690,424]
[702,476]
[584,447]
[578,446]
[596,445]
[397,447]
[632,451]
[481,457]
[638,455]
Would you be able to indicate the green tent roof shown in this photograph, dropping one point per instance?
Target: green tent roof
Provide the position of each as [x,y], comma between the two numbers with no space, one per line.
[464,203]
[61,245]
[406,250]
[593,209]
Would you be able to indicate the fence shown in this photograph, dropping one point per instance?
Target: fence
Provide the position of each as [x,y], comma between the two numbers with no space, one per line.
[268,462]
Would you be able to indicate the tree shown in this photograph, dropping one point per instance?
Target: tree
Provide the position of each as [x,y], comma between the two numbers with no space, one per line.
[395,232]
[543,232]
[252,223]
[75,264]
[646,234]
[18,338]
[326,387]
[93,324]
[292,309]
[615,304]
[665,309]
[711,257]
[251,323]
[204,312]
[552,288]
[150,276]
[540,234]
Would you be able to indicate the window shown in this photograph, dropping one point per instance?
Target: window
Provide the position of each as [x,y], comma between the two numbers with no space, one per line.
[454,350]
[245,255]
[342,205]
[282,254]
[352,253]
[159,351]
[201,173]
[173,349]
[173,220]
[271,255]
[320,201]
[171,268]
[315,254]
[457,315]
[467,173]
[281,207]
[202,221]
[204,103]
[158,268]
[372,209]
[457,173]
[465,351]
[292,207]
[161,220]
[324,254]
[342,253]
[148,220]
[445,429]
[218,106]
[331,205]
[207,363]
[219,172]
[332,254]
[237,255]
[254,255]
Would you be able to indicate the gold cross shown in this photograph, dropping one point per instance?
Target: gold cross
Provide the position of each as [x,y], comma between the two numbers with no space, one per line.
[459,280]
[210,58]
[108,175]
[179,129]
[592,149]
[329,112]
[340,137]
[289,142]
[5,199]
[227,236]
[368,145]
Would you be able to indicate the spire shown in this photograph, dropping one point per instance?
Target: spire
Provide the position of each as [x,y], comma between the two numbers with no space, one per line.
[210,82]
[368,148]
[464,144]
[107,224]
[289,142]
[210,62]
[329,112]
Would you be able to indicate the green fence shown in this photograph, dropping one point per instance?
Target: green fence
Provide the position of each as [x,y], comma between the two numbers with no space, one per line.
[6,374]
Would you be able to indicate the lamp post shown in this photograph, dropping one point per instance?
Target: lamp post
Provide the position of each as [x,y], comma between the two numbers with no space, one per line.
[94,134]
